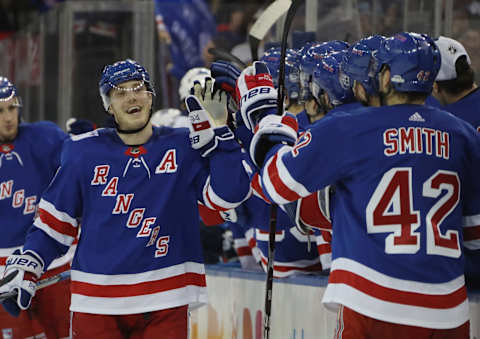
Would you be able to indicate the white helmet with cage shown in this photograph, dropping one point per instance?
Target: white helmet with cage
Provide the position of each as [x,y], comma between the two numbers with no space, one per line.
[194,74]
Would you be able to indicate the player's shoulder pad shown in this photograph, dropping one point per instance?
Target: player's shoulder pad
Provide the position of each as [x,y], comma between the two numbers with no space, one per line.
[43,131]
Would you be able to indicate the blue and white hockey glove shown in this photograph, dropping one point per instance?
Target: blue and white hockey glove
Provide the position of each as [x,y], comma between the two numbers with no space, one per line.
[256,94]
[22,271]
[207,115]
[272,130]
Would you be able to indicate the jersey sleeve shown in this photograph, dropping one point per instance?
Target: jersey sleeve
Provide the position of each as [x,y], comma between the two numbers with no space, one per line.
[56,226]
[226,180]
[316,160]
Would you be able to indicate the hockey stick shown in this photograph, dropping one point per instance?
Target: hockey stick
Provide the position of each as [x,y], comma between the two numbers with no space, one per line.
[222,54]
[40,284]
[273,210]
[263,24]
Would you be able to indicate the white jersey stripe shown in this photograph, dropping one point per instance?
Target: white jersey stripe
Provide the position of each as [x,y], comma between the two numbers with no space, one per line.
[445,312]
[60,237]
[62,216]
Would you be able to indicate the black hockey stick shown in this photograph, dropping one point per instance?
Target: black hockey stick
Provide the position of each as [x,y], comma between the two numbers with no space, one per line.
[40,284]
[221,54]
[273,210]
[263,24]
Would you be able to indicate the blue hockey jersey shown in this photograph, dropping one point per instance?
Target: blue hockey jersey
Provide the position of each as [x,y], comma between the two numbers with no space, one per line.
[27,165]
[139,247]
[407,199]
[467,108]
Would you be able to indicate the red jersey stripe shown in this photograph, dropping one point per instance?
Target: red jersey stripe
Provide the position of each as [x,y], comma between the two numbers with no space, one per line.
[374,290]
[277,182]
[281,268]
[215,206]
[243,251]
[258,188]
[144,288]
[62,227]
[471,233]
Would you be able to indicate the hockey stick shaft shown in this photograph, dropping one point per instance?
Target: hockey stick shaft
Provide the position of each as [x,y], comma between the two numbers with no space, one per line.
[273,210]
[40,284]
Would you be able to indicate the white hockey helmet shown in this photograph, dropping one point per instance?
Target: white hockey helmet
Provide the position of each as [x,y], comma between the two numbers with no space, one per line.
[165,117]
[193,74]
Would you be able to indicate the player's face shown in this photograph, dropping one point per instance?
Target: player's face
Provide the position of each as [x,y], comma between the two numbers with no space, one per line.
[8,119]
[130,103]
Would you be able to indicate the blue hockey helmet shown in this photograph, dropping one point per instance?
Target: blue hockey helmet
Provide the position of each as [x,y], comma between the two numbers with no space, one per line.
[7,89]
[292,75]
[358,63]
[312,58]
[271,57]
[414,61]
[330,77]
[120,72]
[373,41]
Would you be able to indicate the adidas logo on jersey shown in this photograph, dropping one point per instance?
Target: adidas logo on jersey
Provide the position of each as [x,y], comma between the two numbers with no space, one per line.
[416,117]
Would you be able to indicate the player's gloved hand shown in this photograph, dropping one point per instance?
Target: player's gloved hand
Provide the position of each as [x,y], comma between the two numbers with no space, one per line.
[213,101]
[203,134]
[226,75]
[21,274]
[256,94]
[272,130]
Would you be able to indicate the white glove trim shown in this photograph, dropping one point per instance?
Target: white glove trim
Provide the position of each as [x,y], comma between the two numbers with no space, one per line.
[271,124]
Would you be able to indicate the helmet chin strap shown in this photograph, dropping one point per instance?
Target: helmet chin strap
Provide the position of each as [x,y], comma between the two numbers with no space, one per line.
[132,131]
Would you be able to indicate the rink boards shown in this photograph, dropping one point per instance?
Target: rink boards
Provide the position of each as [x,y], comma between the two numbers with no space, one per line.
[236,302]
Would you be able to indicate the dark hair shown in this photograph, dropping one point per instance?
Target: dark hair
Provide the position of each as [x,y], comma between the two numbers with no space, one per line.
[413,96]
[464,80]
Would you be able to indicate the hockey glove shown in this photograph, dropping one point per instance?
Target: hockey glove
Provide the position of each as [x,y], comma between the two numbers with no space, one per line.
[203,136]
[226,75]
[213,101]
[272,130]
[21,274]
[255,93]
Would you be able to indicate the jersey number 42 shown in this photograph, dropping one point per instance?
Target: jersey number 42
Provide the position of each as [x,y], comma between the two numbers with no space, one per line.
[390,210]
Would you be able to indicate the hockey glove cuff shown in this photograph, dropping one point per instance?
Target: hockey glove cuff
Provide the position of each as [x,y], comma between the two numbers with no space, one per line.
[21,274]
[272,130]
[203,136]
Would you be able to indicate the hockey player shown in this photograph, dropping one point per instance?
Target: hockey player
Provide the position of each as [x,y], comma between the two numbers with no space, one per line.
[359,65]
[309,63]
[331,86]
[294,253]
[406,200]
[29,157]
[138,265]
[454,86]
